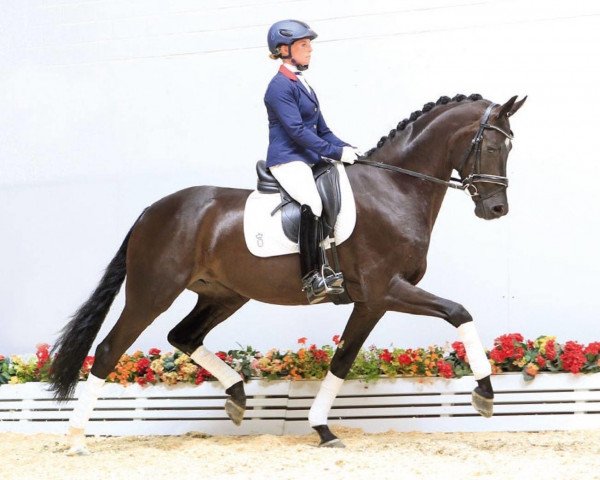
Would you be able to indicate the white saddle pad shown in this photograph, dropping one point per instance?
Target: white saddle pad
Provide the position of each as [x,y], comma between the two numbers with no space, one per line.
[264,233]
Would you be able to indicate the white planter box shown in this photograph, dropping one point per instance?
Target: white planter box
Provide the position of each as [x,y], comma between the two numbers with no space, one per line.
[550,402]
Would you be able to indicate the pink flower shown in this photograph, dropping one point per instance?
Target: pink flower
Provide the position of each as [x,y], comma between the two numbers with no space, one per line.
[154,352]
[336,339]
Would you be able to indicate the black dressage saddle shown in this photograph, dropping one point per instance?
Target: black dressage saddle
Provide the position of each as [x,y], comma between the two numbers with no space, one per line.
[327,179]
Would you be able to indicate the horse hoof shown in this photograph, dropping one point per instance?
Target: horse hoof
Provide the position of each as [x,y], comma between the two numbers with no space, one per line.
[484,406]
[335,443]
[234,411]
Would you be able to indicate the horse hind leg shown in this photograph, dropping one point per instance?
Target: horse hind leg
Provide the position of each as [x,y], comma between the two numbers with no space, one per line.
[139,312]
[188,336]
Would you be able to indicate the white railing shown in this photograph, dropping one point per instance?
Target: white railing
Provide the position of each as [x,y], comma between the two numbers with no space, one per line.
[550,402]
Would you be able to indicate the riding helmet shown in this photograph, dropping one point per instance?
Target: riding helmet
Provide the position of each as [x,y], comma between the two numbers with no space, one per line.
[286,32]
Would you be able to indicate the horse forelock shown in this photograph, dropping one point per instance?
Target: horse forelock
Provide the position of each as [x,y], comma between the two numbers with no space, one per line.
[420,113]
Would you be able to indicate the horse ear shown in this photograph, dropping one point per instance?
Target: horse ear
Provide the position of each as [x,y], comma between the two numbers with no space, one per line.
[516,106]
[505,109]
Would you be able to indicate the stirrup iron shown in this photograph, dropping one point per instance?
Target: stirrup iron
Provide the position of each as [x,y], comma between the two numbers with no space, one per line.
[334,281]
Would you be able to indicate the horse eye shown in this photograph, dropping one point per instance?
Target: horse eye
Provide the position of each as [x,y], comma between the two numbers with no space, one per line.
[492,149]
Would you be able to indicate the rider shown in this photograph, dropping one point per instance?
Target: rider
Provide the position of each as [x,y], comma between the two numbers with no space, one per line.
[299,139]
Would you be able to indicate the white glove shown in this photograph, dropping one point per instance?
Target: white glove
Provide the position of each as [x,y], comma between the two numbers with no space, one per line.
[349,154]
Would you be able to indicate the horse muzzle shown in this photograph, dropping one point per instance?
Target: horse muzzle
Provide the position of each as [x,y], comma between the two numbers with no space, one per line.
[493,207]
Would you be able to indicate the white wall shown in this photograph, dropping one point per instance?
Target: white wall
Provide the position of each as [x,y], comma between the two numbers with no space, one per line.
[109,105]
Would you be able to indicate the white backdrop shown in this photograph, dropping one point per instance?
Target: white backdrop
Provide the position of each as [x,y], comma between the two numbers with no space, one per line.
[109,105]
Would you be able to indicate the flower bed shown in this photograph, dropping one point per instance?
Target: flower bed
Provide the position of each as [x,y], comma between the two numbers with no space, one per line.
[510,353]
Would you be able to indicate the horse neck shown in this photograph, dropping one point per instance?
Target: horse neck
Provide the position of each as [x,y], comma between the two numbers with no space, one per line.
[431,146]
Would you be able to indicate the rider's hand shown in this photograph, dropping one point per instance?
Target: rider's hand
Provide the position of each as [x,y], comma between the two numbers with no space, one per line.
[349,155]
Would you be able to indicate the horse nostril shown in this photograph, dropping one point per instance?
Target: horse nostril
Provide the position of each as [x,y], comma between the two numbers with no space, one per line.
[499,209]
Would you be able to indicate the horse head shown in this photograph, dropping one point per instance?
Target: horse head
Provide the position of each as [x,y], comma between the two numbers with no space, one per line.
[483,166]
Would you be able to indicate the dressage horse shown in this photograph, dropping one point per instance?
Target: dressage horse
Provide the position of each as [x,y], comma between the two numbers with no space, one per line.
[193,239]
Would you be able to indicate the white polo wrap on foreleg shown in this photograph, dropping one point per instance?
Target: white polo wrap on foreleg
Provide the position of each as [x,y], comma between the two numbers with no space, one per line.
[86,402]
[217,367]
[322,403]
[478,361]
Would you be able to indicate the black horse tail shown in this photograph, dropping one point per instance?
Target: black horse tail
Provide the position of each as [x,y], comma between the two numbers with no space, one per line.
[77,337]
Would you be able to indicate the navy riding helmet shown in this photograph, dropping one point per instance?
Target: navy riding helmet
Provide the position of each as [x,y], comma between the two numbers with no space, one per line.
[286,32]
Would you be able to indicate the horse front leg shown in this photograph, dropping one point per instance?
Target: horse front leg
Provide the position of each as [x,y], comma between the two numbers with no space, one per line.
[359,325]
[405,297]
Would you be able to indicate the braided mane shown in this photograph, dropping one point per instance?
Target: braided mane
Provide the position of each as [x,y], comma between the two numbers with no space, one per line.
[416,114]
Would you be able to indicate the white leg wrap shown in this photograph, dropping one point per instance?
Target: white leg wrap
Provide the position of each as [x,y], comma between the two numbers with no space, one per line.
[475,352]
[86,402]
[217,367]
[322,403]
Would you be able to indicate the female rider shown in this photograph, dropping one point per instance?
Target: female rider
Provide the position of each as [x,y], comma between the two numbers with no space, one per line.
[299,139]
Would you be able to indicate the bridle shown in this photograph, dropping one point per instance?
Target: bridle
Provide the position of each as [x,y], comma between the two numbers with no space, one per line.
[468,183]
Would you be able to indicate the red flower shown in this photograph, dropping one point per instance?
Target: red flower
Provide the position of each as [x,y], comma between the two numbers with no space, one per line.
[445,369]
[142,365]
[336,339]
[87,364]
[592,349]
[302,340]
[154,352]
[459,348]
[508,346]
[498,355]
[572,357]
[201,375]
[404,359]
[141,381]
[320,355]
[385,356]
[2,357]
[221,355]
[541,361]
[550,350]
[42,354]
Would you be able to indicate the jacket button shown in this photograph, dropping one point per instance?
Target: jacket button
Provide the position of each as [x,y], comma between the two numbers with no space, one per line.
[315,109]
[314,126]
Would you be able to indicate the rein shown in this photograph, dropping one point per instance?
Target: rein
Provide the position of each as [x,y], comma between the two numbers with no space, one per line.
[473,177]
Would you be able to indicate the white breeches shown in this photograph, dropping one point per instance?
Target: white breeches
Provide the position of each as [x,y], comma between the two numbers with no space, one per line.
[297,179]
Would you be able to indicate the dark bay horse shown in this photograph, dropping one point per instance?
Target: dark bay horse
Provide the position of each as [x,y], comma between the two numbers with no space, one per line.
[193,239]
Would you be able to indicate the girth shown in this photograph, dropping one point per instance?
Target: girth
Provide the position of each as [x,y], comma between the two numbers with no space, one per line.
[328,185]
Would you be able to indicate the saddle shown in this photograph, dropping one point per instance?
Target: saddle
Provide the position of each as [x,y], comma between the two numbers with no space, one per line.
[328,185]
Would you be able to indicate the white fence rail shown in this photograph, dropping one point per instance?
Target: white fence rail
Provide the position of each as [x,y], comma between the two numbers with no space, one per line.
[550,402]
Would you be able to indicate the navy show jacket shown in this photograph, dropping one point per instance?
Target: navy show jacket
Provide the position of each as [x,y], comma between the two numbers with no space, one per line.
[297,130]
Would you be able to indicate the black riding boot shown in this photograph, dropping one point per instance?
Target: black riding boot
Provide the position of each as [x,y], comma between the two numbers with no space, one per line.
[313,283]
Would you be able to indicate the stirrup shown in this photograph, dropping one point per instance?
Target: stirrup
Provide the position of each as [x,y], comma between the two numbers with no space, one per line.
[334,281]
[314,295]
